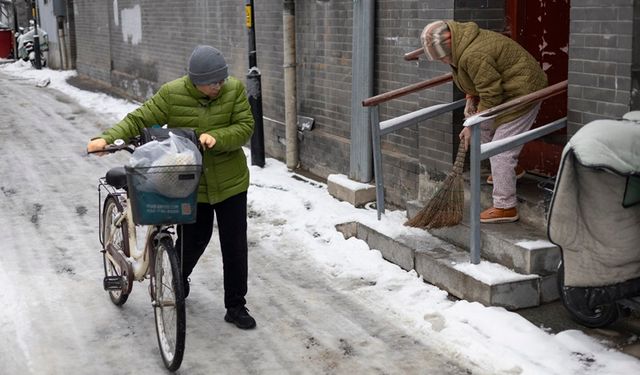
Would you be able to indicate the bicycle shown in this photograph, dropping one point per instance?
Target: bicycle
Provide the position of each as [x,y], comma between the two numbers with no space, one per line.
[123,207]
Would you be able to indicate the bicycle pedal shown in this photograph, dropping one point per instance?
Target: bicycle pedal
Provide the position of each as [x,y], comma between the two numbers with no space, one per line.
[113,283]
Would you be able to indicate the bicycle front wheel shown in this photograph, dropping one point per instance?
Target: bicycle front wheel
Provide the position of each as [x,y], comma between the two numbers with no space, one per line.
[168,302]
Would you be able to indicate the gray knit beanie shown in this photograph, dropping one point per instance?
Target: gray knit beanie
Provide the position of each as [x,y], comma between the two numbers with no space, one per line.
[207,65]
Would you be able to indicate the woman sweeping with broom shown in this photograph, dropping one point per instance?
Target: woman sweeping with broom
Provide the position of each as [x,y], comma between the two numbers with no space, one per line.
[490,69]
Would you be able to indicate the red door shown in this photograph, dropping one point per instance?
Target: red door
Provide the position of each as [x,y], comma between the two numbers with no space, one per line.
[542,27]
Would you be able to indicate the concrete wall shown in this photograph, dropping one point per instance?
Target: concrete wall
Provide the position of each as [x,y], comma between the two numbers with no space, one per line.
[49,25]
[23,10]
[92,30]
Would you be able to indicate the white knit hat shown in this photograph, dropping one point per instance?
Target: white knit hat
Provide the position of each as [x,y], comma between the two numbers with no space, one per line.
[436,40]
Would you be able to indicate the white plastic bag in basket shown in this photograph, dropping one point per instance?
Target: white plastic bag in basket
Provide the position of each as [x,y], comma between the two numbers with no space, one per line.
[174,151]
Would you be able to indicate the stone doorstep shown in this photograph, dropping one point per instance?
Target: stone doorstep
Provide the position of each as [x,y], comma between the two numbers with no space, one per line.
[514,245]
[357,193]
[533,200]
[435,261]
[436,267]
[519,246]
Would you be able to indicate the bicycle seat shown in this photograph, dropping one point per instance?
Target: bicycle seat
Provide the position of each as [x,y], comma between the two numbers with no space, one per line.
[117,177]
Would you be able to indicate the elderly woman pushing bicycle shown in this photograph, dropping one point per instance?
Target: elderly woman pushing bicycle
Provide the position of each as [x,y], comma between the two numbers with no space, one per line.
[215,105]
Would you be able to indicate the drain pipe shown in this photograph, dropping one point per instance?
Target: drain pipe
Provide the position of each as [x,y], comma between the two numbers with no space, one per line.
[62,44]
[361,156]
[290,110]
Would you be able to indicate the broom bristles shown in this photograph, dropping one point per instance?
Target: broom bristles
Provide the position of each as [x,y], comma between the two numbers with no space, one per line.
[446,206]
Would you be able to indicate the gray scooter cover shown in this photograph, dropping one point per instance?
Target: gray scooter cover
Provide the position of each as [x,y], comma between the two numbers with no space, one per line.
[600,239]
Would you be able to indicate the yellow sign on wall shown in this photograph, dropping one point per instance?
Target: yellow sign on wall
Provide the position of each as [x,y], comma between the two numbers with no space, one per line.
[247,10]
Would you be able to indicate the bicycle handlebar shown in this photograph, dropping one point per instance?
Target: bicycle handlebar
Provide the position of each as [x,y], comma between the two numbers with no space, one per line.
[118,145]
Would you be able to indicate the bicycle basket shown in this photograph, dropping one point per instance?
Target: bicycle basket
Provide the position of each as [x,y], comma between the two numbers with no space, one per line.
[163,194]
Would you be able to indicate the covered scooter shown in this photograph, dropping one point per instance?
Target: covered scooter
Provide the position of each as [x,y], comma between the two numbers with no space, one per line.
[594,218]
[26,44]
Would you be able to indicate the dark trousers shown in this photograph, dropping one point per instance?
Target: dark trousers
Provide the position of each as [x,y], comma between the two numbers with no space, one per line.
[232,229]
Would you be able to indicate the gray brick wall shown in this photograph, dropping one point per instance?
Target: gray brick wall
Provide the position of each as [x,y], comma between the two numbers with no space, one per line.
[136,45]
[635,64]
[600,58]
[323,46]
[92,39]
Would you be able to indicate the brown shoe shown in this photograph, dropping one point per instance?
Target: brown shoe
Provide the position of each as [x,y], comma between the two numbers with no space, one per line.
[499,215]
[519,173]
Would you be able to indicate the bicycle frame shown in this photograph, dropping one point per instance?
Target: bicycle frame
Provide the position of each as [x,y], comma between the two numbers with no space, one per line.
[138,259]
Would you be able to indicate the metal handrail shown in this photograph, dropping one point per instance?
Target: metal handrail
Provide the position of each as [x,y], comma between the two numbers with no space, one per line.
[517,103]
[413,55]
[393,94]
[412,118]
[480,152]
[378,129]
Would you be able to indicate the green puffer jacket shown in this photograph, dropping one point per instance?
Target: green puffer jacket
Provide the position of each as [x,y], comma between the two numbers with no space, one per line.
[493,67]
[227,118]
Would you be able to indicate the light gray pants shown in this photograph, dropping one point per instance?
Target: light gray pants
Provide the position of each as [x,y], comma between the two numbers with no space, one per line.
[503,165]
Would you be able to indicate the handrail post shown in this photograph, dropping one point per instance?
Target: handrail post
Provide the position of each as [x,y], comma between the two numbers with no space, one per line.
[475,194]
[377,159]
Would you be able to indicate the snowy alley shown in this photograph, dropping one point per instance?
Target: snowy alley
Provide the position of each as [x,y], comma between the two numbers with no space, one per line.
[323,304]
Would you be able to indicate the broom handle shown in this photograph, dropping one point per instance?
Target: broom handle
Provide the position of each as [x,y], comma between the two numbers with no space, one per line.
[458,165]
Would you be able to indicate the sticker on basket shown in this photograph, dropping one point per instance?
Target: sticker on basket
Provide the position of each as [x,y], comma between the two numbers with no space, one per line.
[161,209]
[153,208]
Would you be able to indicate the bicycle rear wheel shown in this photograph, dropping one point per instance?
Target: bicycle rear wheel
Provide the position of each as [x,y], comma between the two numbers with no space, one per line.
[118,238]
[168,303]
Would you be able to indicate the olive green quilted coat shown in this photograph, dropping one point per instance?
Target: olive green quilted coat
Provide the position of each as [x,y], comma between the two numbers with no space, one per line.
[227,118]
[493,67]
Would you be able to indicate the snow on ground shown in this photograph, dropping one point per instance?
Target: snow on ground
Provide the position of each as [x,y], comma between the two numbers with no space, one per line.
[295,219]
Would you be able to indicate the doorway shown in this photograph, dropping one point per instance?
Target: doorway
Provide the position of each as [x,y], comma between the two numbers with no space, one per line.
[542,28]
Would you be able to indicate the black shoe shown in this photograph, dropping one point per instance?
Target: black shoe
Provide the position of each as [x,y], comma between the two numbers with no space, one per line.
[240,317]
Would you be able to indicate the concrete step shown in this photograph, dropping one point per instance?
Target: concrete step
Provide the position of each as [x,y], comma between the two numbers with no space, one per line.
[522,246]
[447,266]
[519,246]
[533,194]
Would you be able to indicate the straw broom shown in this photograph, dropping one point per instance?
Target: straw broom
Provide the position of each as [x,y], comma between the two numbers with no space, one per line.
[445,208]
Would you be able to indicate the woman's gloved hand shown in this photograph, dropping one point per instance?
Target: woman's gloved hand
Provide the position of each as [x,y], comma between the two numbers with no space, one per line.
[465,136]
[471,107]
